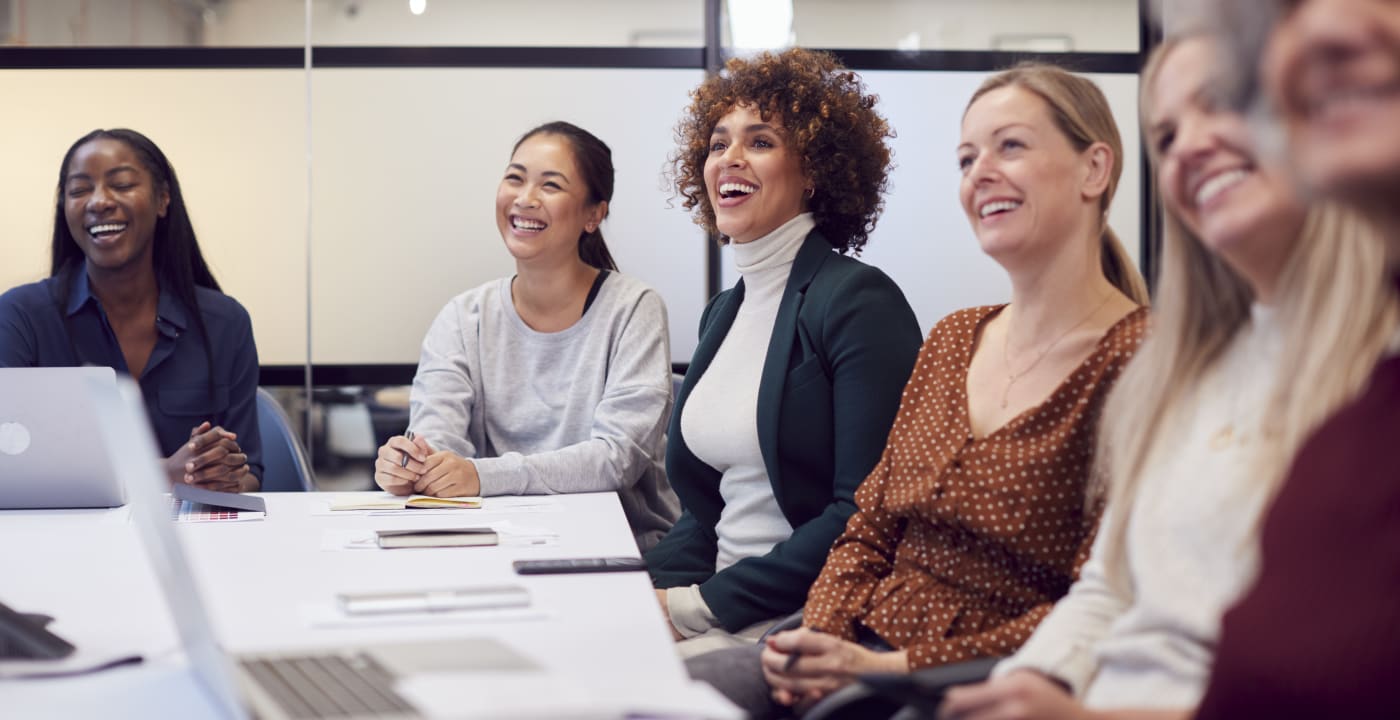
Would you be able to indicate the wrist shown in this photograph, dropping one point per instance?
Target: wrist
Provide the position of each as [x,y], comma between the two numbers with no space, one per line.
[891,661]
[473,478]
[897,662]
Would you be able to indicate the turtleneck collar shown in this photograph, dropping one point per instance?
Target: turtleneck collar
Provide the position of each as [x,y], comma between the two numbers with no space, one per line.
[775,249]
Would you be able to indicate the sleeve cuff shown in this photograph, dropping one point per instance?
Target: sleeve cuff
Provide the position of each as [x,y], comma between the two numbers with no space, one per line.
[1074,667]
[689,612]
[498,476]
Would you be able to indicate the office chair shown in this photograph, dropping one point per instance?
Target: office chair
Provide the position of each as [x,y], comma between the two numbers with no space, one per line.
[285,468]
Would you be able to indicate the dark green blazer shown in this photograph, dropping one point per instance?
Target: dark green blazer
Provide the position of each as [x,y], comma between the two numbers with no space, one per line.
[842,348]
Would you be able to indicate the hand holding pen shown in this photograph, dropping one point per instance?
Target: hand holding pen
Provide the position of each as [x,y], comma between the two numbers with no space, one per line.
[804,665]
[400,464]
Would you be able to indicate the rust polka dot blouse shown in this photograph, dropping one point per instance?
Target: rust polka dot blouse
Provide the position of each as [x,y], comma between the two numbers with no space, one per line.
[960,545]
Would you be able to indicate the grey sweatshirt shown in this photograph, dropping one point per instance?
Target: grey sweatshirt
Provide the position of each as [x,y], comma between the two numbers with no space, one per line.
[579,410]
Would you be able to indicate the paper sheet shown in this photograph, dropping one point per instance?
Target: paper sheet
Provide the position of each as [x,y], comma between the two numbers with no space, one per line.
[328,614]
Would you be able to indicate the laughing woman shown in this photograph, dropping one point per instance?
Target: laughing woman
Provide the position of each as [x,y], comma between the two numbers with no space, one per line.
[556,379]
[1260,296]
[797,375]
[129,289]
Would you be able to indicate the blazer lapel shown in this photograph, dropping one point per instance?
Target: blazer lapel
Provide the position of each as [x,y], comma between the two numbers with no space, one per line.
[815,250]
[713,335]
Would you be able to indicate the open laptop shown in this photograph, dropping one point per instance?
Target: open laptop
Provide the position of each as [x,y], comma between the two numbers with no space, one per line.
[48,437]
[342,682]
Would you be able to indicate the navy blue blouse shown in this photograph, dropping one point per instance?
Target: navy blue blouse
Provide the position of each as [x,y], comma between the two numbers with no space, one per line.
[176,380]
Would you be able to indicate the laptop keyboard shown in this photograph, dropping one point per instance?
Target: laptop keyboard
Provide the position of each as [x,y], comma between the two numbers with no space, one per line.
[329,686]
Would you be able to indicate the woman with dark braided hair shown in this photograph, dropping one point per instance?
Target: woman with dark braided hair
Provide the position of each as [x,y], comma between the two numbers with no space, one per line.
[129,289]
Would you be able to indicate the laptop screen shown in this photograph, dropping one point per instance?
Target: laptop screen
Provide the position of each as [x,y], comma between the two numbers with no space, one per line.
[132,451]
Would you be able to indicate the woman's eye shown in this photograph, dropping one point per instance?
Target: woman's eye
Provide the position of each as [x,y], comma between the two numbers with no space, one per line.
[762,143]
[512,178]
[964,162]
[1164,142]
[717,147]
[1011,144]
[553,186]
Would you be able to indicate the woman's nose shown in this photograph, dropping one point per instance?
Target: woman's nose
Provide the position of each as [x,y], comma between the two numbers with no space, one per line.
[527,197]
[99,198]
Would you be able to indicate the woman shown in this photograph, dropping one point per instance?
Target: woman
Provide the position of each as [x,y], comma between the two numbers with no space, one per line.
[1318,635]
[1259,298]
[977,517]
[797,374]
[129,289]
[556,379]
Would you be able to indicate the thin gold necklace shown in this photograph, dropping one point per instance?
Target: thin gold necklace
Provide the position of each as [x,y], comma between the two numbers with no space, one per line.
[1012,377]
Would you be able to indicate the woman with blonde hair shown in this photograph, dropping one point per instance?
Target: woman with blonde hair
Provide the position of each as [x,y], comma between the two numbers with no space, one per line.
[1268,318]
[977,518]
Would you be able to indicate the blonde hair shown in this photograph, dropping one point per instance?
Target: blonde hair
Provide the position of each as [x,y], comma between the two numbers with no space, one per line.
[1334,310]
[1082,114]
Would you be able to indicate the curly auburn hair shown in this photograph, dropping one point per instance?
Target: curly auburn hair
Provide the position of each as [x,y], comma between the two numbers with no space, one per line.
[828,118]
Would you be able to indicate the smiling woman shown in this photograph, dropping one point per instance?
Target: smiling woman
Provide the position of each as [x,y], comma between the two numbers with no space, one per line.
[574,356]
[129,289]
[791,391]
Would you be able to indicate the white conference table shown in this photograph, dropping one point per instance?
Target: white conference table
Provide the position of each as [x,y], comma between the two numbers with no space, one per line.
[270,585]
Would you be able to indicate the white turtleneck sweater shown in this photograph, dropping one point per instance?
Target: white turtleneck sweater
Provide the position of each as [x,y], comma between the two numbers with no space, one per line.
[720,419]
[1143,634]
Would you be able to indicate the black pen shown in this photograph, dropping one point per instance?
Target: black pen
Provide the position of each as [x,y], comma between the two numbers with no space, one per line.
[792,657]
[408,434]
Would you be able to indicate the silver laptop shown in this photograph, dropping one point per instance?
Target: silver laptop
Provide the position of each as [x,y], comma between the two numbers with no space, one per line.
[49,439]
[342,682]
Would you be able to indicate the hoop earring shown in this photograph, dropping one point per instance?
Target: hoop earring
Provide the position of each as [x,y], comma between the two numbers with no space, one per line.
[811,193]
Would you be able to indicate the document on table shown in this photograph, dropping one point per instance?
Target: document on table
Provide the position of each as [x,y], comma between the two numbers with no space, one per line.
[329,614]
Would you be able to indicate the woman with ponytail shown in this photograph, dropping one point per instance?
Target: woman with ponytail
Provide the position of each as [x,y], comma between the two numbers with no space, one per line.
[558,378]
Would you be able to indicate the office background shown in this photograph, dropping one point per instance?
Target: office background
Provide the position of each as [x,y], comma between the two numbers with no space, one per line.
[340,157]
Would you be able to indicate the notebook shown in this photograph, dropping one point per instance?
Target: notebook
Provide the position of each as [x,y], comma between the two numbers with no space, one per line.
[47,432]
[409,502]
[436,537]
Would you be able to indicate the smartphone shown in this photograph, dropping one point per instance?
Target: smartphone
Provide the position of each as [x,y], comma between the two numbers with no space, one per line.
[578,565]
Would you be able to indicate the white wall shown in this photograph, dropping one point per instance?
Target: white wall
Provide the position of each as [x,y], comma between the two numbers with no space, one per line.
[923,240]
[103,22]
[1091,25]
[608,23]
[236,140]
[407,162]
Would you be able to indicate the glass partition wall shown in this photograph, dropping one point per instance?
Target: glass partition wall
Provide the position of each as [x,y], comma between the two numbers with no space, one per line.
[340,157]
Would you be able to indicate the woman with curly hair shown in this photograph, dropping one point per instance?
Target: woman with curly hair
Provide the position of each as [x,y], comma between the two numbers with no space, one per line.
[798,371]
[980,513]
